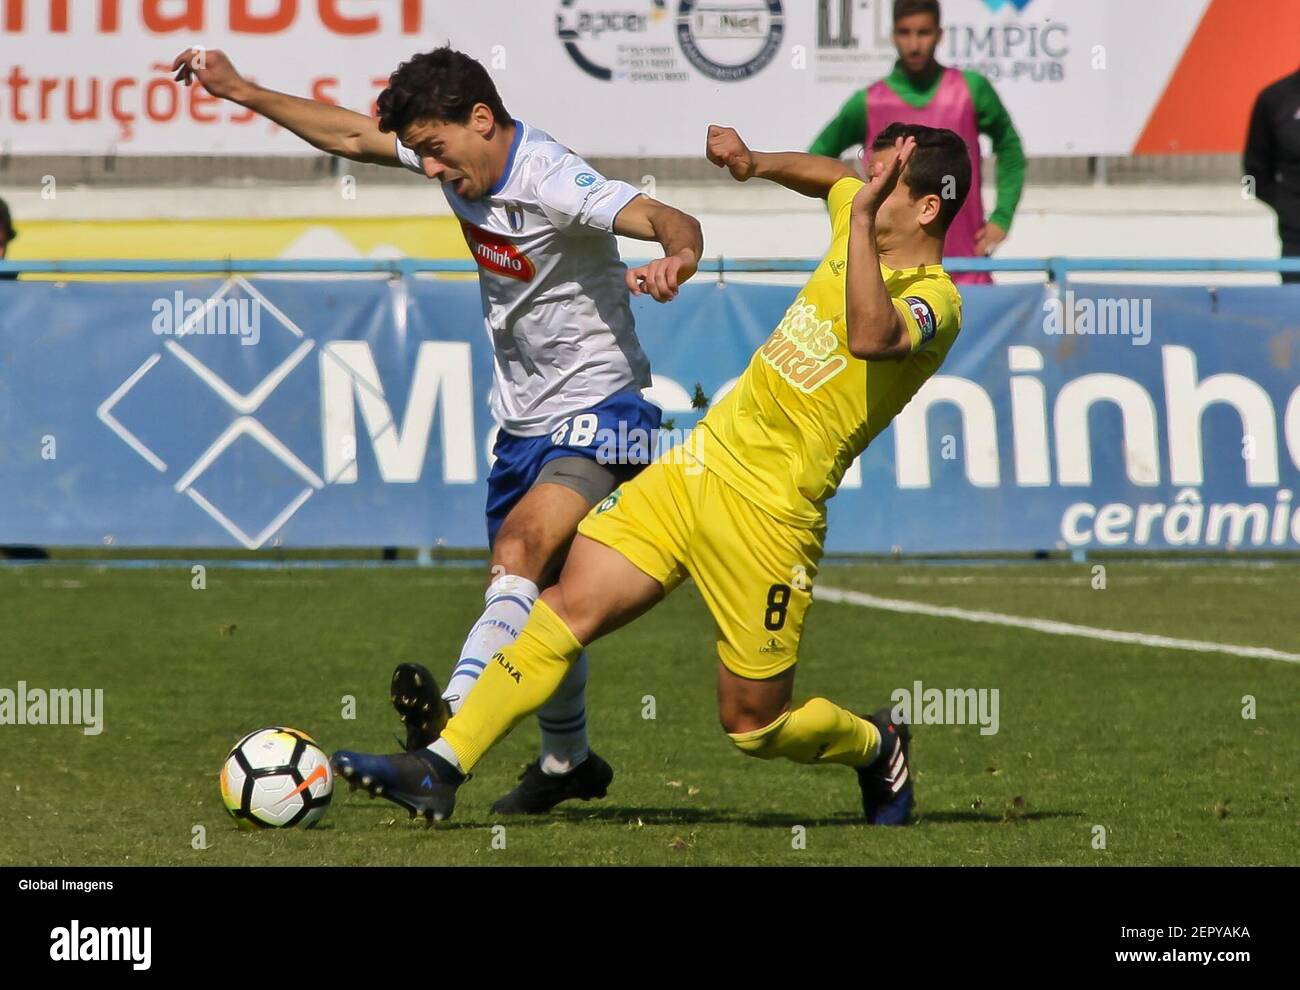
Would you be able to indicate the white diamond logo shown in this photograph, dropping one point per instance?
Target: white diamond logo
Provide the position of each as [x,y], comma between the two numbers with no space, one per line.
[244,403]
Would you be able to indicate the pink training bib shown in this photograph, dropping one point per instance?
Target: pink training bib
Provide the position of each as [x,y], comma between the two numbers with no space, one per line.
[952,108]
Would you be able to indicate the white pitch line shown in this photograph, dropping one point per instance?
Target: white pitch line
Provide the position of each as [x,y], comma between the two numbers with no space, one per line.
[846,597]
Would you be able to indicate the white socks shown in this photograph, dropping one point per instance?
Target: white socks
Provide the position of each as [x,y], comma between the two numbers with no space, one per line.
[563,718]
[509,600]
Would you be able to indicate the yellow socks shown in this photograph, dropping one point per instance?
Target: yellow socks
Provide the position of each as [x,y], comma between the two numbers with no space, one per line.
[520,678]
[517,681]
[816,731]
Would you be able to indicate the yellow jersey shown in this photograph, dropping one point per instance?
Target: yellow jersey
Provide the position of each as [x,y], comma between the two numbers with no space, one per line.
[805,407]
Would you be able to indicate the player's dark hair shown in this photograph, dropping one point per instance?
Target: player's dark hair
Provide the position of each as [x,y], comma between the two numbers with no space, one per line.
[906,8]
[940,165]
[443,84]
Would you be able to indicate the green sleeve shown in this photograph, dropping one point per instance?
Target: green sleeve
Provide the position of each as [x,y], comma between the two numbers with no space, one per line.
[994,121]
[847,129]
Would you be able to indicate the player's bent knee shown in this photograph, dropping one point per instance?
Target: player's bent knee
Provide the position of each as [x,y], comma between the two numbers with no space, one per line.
[815,731]
[516,552]
[569,610]
[764,743]
[512,545]
[558,602]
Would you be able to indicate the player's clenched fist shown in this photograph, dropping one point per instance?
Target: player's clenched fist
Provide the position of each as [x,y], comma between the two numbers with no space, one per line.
[213,69]
[726,150]
[662,277]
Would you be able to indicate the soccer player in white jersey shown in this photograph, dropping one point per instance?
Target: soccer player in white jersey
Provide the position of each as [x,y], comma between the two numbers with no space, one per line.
[568,369]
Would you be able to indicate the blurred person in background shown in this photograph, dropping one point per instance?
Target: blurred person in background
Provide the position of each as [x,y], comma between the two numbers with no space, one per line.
[921,91]
[7,234]
[1272,159]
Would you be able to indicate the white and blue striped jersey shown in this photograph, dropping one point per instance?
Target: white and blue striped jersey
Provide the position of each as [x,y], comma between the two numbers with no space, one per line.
[555,303]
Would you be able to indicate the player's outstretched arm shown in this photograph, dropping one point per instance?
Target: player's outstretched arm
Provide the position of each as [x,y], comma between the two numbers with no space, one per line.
[333,130]
[811,175]
[680,235]
[876,329]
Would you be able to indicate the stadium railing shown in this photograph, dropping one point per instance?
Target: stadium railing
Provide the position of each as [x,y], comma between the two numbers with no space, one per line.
[1058,269]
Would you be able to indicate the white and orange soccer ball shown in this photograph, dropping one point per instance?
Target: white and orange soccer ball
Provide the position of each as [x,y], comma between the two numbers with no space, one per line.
[276,778]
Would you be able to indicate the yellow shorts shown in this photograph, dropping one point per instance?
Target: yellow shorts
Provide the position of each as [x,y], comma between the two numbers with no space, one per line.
[755,572]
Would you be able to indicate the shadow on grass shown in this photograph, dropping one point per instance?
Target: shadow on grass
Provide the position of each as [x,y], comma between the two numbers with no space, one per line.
[625,816]
[991,817]
[707,816]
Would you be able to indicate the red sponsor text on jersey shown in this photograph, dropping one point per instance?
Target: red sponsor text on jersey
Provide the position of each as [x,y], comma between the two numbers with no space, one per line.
[496,254]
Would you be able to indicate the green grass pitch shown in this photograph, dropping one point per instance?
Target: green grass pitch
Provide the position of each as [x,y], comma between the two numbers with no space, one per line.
[1149,744]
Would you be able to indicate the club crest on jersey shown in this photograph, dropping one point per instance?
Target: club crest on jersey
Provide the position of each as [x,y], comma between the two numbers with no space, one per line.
[515,217]
[802,348]
[496,254]
[924,318]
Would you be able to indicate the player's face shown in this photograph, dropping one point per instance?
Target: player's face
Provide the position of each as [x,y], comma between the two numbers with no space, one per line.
[900,215]
[459,154]
[916,37]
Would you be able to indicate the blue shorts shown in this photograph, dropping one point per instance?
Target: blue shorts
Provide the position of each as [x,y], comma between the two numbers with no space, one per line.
[621,432]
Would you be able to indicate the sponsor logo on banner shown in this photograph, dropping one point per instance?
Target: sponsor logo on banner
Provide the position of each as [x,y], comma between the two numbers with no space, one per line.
[625,41]
[1009,47]
[304,482]
[497,254]
[253,507]
[86,77]
[855,41]
[726,40]
[730,39]
[353,418]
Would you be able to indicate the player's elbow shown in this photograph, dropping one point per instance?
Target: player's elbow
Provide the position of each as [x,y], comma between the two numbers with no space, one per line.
[346,148]
[872,342]
[671,224]
[695,238]
[865,351]
[875,349]
[697,233]
[337,146]
[354,145]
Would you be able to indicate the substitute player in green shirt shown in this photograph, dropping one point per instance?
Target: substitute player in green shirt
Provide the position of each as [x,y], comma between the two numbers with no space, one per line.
[921,91]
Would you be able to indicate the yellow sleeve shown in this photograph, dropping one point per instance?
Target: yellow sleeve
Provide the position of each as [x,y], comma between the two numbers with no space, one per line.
[840,200]
[931,312]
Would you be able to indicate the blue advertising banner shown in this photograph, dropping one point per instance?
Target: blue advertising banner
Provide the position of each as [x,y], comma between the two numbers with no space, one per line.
[342,411]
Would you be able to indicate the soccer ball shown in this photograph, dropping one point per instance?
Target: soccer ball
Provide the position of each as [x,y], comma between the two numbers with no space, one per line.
[275,778]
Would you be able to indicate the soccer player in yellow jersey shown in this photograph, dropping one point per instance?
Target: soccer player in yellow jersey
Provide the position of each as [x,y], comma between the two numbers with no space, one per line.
[742,509]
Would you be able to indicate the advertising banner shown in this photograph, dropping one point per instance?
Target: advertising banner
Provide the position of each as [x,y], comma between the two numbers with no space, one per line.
[329,412]
[639,77]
